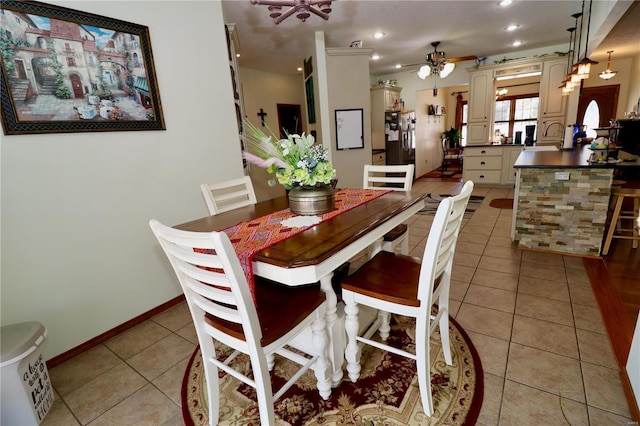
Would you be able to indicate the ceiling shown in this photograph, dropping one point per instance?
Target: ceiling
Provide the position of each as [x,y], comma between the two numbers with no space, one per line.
[463,27]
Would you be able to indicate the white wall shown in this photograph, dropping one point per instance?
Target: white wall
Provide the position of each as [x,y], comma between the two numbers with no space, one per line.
[622,78]
[77,251]
[265,90]
[429,129]
[348,90]
[633,101]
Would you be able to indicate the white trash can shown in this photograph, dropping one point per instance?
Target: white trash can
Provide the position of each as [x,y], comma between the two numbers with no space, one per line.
[27,394]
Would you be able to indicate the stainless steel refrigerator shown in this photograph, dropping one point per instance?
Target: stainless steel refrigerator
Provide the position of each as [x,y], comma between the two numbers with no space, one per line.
[400,139]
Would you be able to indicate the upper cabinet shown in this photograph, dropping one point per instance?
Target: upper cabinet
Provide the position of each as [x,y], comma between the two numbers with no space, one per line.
[383,99]
[481,92]
[552,103]
[553,106]
[482,97]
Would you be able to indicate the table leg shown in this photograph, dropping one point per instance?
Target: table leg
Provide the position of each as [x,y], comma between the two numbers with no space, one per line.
[335,330]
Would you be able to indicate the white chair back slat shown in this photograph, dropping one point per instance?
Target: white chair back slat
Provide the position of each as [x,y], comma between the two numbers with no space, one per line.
[229,195]
[394,177]
[191,266]
[440,248]
[215,285]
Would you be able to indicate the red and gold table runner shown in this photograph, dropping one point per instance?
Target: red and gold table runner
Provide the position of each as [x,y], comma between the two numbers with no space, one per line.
[251,237]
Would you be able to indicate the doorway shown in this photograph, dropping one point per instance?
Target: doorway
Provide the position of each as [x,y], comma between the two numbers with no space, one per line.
[598,105]
[78,93]
[289,119]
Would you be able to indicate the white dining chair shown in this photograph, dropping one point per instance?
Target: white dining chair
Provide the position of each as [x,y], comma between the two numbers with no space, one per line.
[223,309]
[229,195]
[403,285]
[396,178]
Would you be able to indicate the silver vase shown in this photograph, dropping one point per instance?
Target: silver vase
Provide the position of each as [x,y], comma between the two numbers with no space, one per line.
[311,200]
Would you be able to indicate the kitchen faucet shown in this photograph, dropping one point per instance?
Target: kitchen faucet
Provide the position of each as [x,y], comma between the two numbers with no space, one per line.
[546,132]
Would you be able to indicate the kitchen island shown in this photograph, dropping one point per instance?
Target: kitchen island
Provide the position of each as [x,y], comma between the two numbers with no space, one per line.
[561,199]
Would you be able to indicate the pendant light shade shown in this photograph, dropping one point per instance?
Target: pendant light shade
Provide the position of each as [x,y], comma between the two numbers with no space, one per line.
[583,67]
[607,74]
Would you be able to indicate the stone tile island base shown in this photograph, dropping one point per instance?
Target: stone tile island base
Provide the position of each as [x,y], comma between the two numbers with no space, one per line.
[563,215]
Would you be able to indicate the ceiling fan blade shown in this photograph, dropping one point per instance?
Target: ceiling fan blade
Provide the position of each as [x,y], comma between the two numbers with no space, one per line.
[463,58]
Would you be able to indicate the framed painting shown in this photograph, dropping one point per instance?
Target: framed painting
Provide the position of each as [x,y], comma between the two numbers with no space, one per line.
[65,70]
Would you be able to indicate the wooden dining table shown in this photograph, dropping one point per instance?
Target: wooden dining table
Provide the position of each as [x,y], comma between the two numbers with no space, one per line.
[312,255]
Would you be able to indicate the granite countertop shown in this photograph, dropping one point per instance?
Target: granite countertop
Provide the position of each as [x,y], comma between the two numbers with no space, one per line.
[572,159]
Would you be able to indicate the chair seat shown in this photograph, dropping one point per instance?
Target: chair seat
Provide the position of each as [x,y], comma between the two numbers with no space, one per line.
[275,320]
[376,278]
[395,233]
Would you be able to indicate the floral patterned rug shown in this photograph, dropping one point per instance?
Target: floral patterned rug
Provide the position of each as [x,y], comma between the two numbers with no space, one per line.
[386,393]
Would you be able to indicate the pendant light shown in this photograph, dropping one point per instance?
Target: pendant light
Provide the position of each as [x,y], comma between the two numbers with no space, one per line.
[567,85]
[584,66]
[573,75]
[607,74]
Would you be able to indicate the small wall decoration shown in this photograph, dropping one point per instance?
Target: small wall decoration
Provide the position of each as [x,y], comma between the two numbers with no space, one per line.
[308,67]
[311,104]
[349,129]
[65,70]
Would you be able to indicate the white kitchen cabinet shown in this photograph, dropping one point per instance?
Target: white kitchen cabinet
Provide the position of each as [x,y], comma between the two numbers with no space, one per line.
[491,165]
[478,133]
[481,105]
[481,96]
[552,103]
[509,156]
[483,165]
[379,159]
[553,106]
[382,99]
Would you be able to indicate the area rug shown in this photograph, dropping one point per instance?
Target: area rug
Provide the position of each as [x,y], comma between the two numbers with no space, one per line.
[386,393]
[432,201]
[446,175]
[502,203]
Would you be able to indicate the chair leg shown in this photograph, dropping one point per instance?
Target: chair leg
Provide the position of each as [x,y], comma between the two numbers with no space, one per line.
[321,367]
[384,328]
[271,361]
[443,325]
[612,224]
[264,391]
[423,364]
[404,245]
[211,373]
[352,351]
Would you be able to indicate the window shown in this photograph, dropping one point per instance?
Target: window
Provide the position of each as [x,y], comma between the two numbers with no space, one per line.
[71,62]
[136,60]
[592,118]
[512,114]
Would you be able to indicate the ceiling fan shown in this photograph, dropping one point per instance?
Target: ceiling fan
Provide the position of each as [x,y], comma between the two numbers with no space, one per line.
[437,63]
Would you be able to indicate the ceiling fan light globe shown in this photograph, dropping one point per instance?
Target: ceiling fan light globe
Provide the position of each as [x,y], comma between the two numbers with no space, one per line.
[424,71]
[447,69]
[325,7]
[275,11]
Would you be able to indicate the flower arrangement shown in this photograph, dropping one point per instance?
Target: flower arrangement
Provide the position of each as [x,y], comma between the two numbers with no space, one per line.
[295,160]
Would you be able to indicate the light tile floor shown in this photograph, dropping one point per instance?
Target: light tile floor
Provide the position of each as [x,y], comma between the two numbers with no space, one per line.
[532,317]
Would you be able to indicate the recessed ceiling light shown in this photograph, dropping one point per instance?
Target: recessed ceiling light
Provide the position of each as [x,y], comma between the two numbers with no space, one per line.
[505,2]
[299,69]
[398,65]
[379,35]
[375,57]
[513,27]
[237,55]
[516,43]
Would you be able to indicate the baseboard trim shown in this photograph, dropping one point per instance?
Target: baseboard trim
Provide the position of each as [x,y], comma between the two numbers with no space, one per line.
[616,321]
[65,356]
